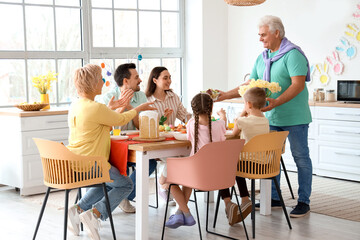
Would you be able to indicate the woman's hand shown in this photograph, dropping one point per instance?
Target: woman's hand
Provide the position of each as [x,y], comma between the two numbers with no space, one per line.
[145,107]
[167,114]
[123,101]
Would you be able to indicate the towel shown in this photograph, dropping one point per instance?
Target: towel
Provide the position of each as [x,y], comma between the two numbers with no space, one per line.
[285,47]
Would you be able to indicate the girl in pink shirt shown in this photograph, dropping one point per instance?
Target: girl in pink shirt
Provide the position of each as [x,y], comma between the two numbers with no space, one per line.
[200,131]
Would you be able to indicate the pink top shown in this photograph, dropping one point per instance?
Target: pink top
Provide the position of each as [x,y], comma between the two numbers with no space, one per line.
[217,129]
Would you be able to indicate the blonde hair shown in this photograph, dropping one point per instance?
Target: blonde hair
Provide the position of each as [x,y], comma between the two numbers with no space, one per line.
[274,23]
[86,78]
[256,96]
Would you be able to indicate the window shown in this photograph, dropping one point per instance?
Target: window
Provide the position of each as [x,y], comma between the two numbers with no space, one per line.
[62,35]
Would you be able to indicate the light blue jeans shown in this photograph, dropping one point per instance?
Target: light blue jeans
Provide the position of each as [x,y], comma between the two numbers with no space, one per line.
[119,189]
[152,167]
[298,138]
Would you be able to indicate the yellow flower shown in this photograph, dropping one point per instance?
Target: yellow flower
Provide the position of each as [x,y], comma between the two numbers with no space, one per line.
[43,82]
[273,86]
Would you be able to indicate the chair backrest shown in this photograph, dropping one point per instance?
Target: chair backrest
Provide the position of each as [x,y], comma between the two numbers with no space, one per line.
[213,167]
[260,157]
[65,170]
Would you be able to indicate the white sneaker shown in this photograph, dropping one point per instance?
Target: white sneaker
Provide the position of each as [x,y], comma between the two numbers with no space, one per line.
[91,224]
[126,206]
[74,220]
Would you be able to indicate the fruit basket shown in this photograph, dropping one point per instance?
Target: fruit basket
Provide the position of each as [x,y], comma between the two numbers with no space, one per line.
[31,107]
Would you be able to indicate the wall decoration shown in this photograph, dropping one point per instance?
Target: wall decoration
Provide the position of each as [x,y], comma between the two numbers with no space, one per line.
[106,73]
[355,33]
[347,48]
[335,62]
[312,72]
[357,14]
[324,77]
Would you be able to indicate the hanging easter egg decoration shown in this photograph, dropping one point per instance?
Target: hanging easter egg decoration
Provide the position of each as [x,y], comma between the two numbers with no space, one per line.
[106,72]
[140,57]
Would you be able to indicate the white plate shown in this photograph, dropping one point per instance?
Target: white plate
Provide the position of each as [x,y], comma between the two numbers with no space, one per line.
[167,134]
[119,137]
[129,132]
[228,132]
[180,136]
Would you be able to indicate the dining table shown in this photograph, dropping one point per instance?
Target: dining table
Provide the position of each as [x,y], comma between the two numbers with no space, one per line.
[141,153]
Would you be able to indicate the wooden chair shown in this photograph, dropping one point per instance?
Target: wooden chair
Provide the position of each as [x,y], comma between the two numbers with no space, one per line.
[260,159]
[63,169]
[213,167]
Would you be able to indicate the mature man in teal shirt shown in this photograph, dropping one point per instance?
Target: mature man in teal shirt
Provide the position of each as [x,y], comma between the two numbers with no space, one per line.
[285,63]
[126,77]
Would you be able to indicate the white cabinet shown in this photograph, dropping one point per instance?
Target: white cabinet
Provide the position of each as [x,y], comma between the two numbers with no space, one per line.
[20,164]
[338,142]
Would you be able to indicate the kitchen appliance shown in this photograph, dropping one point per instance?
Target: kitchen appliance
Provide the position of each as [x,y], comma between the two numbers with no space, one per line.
[348,90]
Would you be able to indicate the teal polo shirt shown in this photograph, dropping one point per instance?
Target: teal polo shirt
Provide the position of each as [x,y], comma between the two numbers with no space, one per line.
[138,98]
[297,110]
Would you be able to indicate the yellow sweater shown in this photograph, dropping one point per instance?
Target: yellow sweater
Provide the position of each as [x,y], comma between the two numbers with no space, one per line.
[89,123]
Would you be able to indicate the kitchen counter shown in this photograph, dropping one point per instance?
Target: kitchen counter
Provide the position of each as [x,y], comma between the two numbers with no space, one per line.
[311,103]
[20,113]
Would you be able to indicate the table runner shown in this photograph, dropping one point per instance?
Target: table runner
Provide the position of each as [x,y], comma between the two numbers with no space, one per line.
[119,152]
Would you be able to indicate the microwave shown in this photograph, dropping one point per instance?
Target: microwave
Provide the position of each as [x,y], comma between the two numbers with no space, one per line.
[348,90]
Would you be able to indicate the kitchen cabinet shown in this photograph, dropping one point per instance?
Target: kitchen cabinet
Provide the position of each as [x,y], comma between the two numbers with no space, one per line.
[334,138]
[20,163]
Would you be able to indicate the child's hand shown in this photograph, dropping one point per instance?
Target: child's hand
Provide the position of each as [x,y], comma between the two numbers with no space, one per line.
[244,113]
[222,113]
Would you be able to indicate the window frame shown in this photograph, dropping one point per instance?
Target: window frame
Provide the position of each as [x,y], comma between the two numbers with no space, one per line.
[89,52]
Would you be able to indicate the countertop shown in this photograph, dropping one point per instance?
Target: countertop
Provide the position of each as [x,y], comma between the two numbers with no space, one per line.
[13,111]
[311,103]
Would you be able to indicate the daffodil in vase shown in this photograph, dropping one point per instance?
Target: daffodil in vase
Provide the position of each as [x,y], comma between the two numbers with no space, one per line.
[43,84]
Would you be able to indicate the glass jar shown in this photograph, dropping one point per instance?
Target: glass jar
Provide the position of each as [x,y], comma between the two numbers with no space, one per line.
[330,95]
[318,95]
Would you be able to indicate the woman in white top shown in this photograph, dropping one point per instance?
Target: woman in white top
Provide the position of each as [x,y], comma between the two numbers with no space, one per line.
[168,104]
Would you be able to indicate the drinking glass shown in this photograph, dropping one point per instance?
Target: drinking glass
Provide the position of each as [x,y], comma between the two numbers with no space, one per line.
[116,130]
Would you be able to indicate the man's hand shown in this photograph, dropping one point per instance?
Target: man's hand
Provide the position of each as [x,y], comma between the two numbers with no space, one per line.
[273,103]
[123,101]
[221,96]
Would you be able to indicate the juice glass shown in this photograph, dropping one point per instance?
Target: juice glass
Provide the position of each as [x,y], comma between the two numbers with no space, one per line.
[116,130]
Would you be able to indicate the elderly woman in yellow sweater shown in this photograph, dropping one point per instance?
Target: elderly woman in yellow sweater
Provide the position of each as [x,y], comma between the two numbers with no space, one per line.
[90,124]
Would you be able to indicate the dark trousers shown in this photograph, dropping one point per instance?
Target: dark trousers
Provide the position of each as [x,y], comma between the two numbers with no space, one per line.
[224,193]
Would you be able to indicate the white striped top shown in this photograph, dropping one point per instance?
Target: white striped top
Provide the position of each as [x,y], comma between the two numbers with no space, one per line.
[172,101]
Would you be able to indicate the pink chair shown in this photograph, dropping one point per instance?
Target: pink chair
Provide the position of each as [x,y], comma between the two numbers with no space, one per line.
[212,168]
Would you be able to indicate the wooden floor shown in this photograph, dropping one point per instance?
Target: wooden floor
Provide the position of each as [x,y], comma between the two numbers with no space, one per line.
[19,217]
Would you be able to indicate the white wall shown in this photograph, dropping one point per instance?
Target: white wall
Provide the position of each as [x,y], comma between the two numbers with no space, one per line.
[316,26]
[206,44]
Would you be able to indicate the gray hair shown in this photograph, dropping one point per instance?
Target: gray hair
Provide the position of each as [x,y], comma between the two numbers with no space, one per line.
[274,23]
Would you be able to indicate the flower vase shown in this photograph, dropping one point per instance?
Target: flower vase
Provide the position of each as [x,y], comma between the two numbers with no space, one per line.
[45,99]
